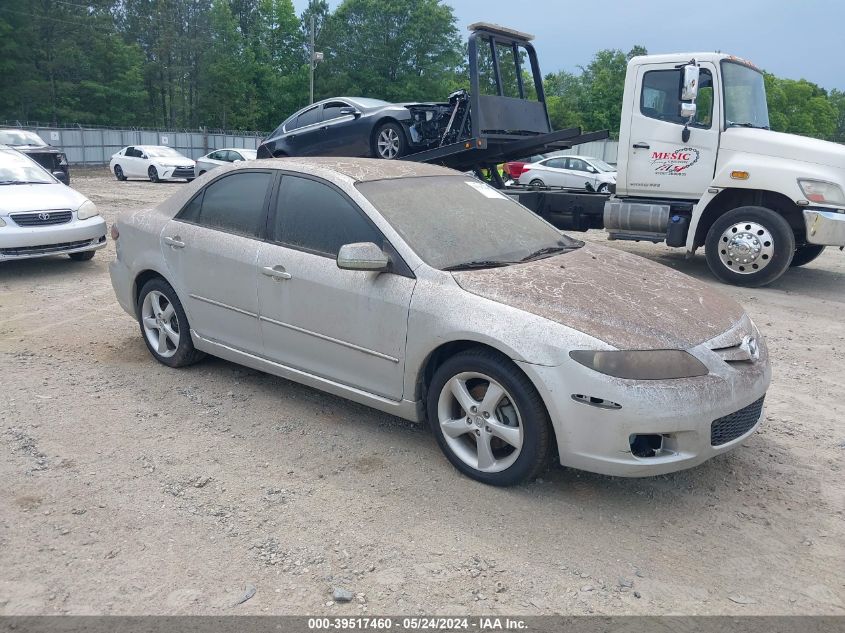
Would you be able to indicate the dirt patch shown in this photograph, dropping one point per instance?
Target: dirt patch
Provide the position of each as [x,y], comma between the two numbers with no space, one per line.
[131,488]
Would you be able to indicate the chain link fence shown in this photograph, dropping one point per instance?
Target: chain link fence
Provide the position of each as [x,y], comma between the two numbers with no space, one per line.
[92,145]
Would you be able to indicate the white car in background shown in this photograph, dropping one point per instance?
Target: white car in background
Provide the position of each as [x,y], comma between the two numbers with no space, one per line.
[156,162]
[223,156]
[572,172]
[41,216]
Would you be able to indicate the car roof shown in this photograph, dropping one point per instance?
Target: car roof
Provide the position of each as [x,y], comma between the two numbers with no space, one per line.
[361,169]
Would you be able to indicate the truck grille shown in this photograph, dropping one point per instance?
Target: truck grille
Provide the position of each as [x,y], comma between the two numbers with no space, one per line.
[42,218]
[46,249]
[737,424]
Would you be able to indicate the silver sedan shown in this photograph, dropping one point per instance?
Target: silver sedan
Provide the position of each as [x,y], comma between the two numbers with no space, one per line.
[427,294]
[220,157]
[40,216]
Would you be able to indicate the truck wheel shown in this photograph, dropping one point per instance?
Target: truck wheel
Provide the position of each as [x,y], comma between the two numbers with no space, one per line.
[749,246]
[805,254]
[389,142]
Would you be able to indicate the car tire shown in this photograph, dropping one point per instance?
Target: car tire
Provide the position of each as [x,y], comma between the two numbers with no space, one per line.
[164,325]
[152,172]
[118,173]
[202,172]
[518,413]
[749,246]
[537,183]
[84,256]
[603,188]
[189,180]
[805,254]
[389,141]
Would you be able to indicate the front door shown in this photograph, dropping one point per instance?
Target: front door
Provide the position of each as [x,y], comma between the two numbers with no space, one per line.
[211,249]
[347,326]
[659,162]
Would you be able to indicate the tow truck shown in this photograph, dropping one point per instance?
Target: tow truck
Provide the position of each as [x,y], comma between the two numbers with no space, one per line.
[698,165]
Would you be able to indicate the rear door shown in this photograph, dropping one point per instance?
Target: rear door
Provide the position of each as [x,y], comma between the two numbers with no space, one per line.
[211,248]
[129,162]
[554,172]
[302,135]
[659,162]
[346,326]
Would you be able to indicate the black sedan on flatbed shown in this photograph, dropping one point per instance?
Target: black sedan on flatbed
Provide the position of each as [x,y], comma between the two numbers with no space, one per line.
[50,158]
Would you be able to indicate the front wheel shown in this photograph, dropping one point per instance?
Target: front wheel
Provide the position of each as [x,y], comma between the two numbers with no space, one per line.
[749,246]
[603,188]
[489,419]
[152,172]
[164,325]
[805,254]
[389,142]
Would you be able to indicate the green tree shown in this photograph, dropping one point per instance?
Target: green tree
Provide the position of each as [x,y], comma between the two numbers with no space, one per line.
[801,107]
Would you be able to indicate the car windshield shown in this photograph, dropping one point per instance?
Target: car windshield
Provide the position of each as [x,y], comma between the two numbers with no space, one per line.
[20,137]
[16,169]
[456,221]
[160,152]
[363,102]
[601,165]
[745,96]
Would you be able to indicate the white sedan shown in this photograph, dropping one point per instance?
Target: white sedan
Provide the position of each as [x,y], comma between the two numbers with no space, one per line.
[156,162]
[223,156]
[41,216]
[573,172]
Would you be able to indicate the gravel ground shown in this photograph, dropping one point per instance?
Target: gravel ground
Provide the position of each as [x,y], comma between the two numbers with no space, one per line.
[131,488]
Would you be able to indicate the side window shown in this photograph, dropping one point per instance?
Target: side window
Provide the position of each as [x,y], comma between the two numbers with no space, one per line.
[332,110]
[234,203]
[576,164]
[307,118]
[315,217]
[556,163]
[129,151]
[233,156]
[661,97]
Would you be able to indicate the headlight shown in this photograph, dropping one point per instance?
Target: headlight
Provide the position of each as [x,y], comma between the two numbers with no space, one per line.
[659,364]
[87,210]
[821,191]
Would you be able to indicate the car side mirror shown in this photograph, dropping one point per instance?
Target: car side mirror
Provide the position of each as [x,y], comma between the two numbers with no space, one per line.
[59,175]
[688,110]
[592,170]
[689,90]
[362,256]
[353,111]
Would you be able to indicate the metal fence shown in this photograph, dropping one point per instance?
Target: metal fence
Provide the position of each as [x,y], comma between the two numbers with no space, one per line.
[94,146]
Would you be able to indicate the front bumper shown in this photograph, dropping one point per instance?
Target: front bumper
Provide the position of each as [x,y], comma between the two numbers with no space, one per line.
[18,242]
[176,173]
[595,437]
[825,227]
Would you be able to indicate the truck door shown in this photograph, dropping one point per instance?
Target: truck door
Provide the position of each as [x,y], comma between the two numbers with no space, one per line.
[659,162]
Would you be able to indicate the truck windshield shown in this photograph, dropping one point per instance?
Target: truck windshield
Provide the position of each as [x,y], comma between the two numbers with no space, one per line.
[745,96]
[457,222]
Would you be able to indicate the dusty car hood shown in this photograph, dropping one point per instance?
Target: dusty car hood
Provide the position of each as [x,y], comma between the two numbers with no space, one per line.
[624,300]
[38,197]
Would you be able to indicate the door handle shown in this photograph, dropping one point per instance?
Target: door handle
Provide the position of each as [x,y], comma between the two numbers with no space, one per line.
[174,242]
[642,146]
[276,272]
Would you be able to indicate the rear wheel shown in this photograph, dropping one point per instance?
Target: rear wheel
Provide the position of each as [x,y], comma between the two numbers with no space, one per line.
[805,254]
[84,256]
[389,142]
[152,172]
[489,419]
[118,173]
[164,325]
[749,246]
[537,183]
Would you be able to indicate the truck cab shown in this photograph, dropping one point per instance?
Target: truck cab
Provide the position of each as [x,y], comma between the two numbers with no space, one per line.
[699,166]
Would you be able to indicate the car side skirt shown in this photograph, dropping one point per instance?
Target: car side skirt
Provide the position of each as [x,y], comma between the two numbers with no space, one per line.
[407,409]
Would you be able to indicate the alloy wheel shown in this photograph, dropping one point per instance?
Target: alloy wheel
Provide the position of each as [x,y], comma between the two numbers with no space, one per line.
[480,422]
[388,143]
[161,325]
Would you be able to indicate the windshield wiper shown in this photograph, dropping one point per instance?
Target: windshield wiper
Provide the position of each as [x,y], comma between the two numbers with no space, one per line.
[551,250]
[746,124]
[488,263]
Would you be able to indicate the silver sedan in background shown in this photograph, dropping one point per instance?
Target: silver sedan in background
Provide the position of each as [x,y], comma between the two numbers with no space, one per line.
[223,156]
[425,293]
[41,216]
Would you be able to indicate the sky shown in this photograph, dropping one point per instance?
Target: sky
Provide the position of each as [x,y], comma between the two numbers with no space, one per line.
[791,39]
